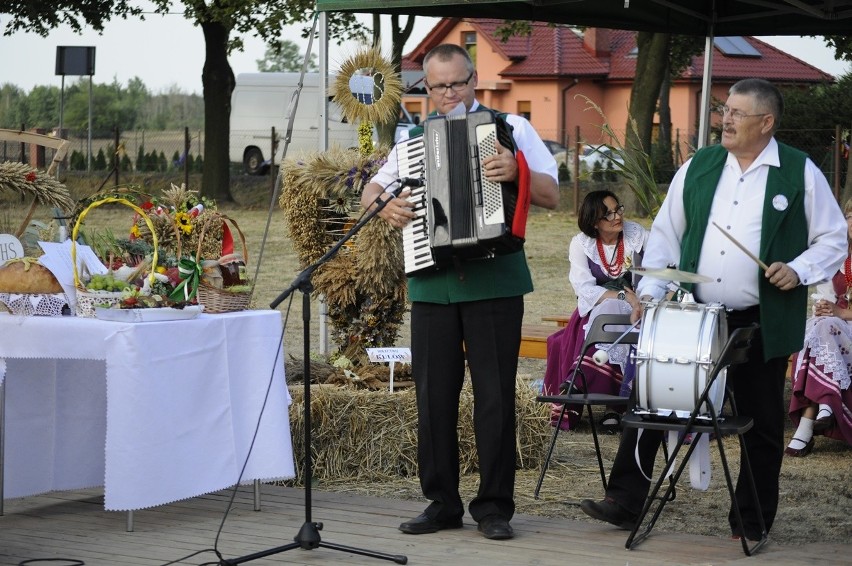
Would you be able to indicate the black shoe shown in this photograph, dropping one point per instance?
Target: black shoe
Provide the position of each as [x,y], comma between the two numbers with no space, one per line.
[610,423]
[610,511]
[495,527]
[422,525]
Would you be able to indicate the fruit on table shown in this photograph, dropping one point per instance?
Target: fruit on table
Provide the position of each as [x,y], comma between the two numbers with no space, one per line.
[106,282]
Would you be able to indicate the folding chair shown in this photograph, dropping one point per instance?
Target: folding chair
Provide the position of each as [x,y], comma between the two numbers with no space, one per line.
[735,351]
[605,329]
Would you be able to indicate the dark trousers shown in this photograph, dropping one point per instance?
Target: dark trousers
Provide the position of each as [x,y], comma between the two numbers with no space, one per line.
[488,332]
[758,390]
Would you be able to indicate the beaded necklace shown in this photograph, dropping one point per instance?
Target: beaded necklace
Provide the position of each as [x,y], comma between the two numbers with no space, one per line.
[847,275]
[613,269]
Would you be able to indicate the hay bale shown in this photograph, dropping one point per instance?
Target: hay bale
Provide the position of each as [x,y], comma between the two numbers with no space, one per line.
[361,435]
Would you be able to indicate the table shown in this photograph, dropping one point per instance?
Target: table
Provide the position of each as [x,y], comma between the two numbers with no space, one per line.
[155,412]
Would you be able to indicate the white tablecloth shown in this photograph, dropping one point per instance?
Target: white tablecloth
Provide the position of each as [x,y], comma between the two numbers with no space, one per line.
[155,412]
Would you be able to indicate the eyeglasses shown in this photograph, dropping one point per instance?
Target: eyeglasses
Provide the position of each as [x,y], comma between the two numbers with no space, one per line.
[611,214]
[738,115]
[456,87]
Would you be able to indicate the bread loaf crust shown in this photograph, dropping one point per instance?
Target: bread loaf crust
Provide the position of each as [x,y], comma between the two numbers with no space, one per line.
[26,275]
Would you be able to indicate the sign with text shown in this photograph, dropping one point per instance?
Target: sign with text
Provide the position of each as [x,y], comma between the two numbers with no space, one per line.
[389,354]
[10,248]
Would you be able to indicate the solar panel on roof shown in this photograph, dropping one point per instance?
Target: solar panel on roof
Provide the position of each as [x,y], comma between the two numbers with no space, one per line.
[735,46]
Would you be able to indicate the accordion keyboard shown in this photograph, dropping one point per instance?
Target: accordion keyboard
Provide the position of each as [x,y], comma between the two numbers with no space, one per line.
[415,235]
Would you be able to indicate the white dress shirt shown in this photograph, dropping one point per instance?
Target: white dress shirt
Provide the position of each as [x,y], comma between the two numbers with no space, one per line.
[738,208]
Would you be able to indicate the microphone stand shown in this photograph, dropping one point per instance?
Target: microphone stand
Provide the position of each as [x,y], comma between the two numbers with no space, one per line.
[308,537]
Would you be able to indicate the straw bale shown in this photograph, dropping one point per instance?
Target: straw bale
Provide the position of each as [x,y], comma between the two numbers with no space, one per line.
[362,435]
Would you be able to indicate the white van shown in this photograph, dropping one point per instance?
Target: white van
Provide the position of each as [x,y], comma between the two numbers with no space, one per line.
[261,100]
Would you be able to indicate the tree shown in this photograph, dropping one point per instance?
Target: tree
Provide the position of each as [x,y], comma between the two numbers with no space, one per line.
[41,17]
[399,35]
[223,25]
[284,56]
[683,48]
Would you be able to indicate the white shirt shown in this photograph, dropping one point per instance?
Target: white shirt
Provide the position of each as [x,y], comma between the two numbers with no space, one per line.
[582,248]
[738,208]
[527,139]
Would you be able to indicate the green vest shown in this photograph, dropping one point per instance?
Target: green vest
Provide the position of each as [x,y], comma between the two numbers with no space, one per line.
[474,280]
[783,236]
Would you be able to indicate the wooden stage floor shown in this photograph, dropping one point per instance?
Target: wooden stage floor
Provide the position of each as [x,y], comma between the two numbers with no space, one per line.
[74,526]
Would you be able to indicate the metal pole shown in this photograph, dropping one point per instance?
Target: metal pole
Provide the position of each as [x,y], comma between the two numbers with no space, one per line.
[89,165]
[61,112]
[323,146]
[704,120]
[186,156]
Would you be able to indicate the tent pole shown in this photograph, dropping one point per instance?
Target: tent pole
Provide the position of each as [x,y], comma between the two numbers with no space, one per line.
[706,82]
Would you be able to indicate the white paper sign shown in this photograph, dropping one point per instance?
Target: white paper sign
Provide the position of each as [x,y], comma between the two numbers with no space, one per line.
[389,354]
[57,258]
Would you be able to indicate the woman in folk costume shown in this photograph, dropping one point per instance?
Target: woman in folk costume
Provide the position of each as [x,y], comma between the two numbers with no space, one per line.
[600,256]
[822,399]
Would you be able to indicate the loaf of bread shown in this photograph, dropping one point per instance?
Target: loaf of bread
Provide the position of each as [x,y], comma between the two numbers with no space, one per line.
[27,275]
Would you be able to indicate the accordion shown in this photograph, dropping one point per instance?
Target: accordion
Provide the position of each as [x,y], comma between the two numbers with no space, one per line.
[460,214]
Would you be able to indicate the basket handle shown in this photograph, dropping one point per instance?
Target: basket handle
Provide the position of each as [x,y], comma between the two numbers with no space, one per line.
[95,205]
[222,217]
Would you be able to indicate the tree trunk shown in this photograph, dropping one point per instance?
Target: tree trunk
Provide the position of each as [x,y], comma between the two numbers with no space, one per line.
[651,65]
[218,84]
[663,158]
[398,39]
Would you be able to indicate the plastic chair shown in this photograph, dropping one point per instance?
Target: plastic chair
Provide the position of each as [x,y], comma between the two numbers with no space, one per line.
[605,329]
[735,351]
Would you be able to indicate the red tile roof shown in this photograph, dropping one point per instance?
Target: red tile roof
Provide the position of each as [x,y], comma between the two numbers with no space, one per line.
[557,50]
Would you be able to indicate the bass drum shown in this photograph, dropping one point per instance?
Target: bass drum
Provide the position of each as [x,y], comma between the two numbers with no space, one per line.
[679,344]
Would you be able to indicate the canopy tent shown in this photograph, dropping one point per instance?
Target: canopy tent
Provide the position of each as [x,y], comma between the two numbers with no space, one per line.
[708,18]
[686,17]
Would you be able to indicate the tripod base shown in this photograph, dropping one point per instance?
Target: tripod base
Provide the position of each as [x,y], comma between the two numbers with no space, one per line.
[309,539]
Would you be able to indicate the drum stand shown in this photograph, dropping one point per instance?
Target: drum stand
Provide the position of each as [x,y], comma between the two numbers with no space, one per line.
[308,537]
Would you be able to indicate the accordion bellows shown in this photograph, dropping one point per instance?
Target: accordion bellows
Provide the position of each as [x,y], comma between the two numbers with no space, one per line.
[460,214]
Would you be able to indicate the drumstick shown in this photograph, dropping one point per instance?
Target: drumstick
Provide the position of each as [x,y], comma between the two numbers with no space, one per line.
[743,248]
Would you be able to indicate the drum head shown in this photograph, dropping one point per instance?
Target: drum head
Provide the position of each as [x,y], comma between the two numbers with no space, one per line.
[679,344]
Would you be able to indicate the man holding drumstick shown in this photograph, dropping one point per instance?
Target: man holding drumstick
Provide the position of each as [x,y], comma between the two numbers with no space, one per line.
[774,202]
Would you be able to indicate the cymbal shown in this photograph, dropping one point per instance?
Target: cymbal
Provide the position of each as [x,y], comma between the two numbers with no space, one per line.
[670,274]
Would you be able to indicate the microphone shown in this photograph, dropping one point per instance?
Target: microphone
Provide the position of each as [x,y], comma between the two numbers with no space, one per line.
[411,182]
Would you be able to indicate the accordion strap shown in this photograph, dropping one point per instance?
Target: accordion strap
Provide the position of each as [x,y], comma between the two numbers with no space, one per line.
[522,208]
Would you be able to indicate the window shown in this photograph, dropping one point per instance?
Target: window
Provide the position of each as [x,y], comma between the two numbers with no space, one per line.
[469,39]
[525,109]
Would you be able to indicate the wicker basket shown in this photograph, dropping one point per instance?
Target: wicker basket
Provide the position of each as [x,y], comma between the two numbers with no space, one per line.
[213,299]
[88,300]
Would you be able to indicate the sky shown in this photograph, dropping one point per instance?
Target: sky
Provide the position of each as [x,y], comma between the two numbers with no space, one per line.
[167,53]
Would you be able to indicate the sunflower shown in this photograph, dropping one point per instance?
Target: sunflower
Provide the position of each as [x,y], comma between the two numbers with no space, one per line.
[184,222]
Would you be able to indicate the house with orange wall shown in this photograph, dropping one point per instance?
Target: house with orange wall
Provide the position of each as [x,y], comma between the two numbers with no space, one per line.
[551,75]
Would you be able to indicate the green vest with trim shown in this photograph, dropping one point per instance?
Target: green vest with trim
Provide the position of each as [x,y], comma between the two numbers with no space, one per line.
[783,237]
[474,280]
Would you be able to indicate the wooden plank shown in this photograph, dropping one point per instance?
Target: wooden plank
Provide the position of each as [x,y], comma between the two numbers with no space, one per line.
[534,340]
[559,319]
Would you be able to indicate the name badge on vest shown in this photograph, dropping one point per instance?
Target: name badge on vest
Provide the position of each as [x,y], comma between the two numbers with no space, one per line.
[779,202]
